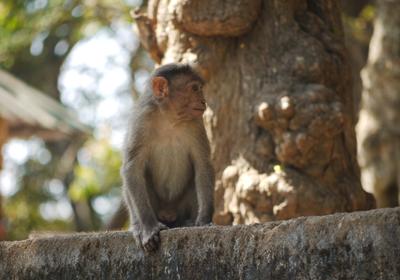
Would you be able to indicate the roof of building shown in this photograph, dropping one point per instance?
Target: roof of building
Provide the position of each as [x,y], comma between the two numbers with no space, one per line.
[31,112]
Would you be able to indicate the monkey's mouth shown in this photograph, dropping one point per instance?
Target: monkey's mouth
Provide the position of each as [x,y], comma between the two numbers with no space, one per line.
[199,107]
[198,111]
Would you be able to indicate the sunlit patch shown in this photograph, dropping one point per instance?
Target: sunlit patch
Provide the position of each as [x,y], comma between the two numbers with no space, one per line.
[56,210]
[278,168]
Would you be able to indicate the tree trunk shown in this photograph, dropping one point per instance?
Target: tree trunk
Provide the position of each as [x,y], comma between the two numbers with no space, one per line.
[280,114]
[356,246]
[378,128]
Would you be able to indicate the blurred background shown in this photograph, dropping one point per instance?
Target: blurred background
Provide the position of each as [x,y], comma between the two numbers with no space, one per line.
[60,163]
[60,170]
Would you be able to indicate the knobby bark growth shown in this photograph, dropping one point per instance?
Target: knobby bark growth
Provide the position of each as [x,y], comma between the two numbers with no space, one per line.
[280,115]
[378,129]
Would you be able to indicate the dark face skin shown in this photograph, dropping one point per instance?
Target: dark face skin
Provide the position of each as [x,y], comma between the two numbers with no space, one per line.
[183,96]
[188,99]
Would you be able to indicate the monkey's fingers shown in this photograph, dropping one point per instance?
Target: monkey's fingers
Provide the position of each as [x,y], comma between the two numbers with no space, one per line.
[152,243]
[149,246]
[157,239]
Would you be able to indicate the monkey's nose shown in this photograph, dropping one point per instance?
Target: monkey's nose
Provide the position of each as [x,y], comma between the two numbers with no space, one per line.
[203,102]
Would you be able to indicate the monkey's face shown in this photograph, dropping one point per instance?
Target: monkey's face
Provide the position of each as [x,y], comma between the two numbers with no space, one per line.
[182,97]
[188,100]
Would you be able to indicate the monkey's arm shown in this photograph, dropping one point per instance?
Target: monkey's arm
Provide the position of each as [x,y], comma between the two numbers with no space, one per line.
[146,226]
[135,188]
[133,168]
[204,183]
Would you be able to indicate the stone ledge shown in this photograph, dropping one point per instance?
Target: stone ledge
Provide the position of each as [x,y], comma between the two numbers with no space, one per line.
[360,245]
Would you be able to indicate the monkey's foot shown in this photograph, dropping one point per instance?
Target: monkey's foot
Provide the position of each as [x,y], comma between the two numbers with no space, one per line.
[150,239]
[203,222]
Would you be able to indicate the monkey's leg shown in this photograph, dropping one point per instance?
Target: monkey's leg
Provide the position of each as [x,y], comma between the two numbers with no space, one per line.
[187,208]
[386,197]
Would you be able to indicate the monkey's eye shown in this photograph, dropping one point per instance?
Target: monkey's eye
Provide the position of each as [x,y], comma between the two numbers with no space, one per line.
[196,87]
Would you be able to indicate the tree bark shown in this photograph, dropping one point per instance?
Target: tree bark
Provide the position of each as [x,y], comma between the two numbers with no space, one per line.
[361,245]
[280,114]
[378,128]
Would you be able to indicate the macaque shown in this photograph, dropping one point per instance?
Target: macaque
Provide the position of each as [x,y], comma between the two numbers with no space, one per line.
[168,179]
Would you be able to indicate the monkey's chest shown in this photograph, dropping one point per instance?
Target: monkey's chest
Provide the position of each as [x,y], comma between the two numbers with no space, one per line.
[170,169]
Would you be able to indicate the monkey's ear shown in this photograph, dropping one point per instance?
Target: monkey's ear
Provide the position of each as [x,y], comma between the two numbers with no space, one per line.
[160,87]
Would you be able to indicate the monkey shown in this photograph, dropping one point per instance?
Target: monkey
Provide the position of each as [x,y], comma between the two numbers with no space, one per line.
[167,174]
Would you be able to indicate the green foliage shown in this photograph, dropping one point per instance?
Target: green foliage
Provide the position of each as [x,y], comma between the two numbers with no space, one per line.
[98,174]
[22,220]
[23,208]
[361,26]
[23,22]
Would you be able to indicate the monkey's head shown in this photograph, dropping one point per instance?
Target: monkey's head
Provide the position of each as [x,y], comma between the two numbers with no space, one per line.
[178,89]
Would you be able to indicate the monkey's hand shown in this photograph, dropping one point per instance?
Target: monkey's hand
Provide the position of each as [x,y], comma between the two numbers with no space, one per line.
[150,237]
